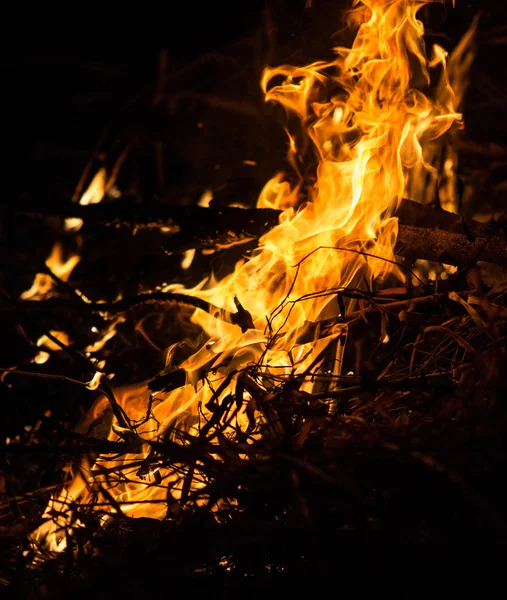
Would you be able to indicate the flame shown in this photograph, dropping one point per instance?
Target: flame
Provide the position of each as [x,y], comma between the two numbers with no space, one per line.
[364,120]
[48,344]
[96,190]
[205,199]
[439,154]
[188,258]
[43,283]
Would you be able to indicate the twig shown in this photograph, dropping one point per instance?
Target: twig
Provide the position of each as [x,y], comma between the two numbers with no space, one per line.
[57,305]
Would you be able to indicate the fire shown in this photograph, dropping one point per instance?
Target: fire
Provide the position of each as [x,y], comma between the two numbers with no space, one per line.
[96,190]
[364,119]
[43,283]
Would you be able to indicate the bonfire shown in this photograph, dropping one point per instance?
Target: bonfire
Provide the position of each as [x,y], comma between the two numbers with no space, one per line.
[356,340]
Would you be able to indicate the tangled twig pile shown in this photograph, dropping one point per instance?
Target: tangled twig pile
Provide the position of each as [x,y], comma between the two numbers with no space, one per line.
[400,450]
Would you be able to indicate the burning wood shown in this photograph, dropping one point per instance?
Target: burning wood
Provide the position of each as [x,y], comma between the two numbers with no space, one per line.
[423,232]
[321,350]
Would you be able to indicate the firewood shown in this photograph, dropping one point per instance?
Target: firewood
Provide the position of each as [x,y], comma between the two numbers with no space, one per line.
[424,232]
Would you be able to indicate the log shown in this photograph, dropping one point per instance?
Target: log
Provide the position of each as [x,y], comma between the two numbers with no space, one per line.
[186,227]
[442,237]
[424,232]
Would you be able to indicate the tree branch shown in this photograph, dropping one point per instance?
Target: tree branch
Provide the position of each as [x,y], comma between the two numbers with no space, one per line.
[424,232]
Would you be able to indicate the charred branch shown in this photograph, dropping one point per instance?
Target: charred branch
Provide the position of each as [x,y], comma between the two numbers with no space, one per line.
[424,232]
[186,226]
[56,305]
[443,237]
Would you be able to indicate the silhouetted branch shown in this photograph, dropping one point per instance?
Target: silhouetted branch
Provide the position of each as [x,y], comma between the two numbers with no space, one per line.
[424,232]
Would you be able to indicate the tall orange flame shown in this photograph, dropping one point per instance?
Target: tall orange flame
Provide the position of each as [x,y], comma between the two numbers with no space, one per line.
[364,118]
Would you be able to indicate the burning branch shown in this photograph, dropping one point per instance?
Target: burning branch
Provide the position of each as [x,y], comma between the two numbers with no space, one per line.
[59,306]
[187,226]
[424,232]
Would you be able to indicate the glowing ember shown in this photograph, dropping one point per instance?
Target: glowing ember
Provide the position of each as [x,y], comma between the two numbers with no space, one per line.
[365,119]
